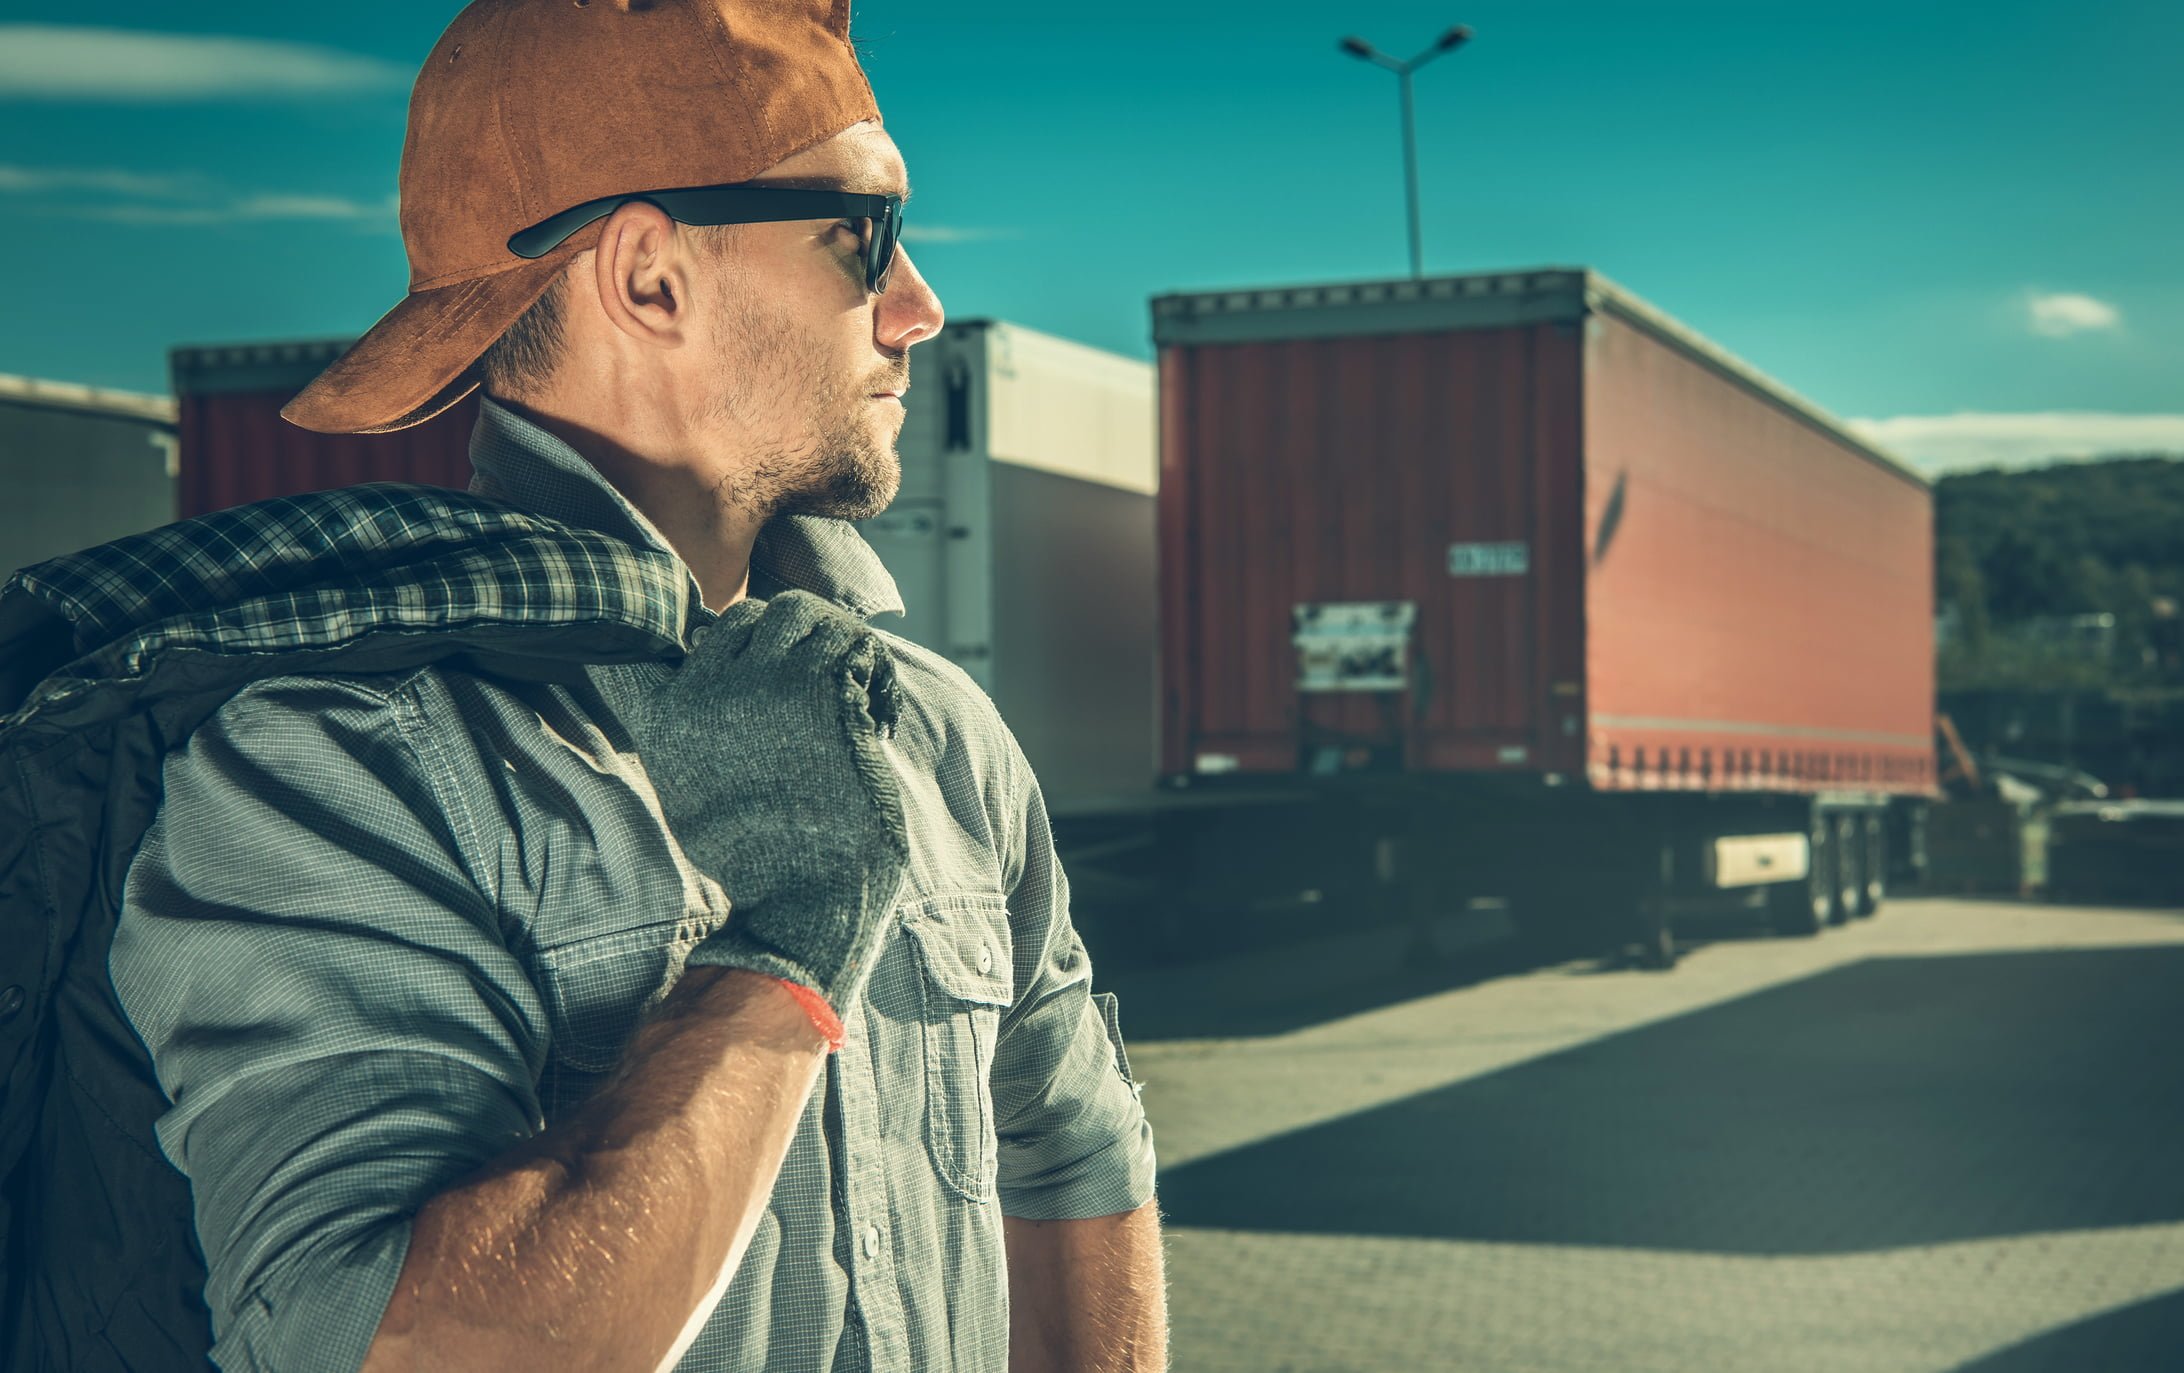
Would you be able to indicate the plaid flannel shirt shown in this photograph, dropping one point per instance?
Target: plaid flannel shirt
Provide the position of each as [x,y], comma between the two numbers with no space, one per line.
[386,926]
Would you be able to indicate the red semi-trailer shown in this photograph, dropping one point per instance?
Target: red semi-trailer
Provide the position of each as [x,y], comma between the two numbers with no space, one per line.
[1542,594]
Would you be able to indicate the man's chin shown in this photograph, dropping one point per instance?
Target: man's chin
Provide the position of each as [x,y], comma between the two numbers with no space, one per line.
[851,496]
[863,508]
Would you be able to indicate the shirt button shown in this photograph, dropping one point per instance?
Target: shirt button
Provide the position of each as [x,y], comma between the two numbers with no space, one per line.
[872,1241]
[985,958]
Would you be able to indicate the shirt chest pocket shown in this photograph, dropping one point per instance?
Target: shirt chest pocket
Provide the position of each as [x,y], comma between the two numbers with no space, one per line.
[598,987]
[963,982]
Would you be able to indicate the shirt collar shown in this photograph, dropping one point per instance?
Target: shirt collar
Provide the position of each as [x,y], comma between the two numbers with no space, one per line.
[516,461]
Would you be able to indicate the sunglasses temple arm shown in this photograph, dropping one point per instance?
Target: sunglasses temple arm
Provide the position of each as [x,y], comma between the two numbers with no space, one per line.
[562,227]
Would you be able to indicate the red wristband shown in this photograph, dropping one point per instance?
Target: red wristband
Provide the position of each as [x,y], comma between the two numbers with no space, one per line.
[822,1015]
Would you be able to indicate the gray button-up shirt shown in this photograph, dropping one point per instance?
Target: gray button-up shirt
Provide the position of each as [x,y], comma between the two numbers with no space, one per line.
[386,926]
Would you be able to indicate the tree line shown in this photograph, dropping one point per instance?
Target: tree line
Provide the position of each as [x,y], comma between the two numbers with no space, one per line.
[2028,562]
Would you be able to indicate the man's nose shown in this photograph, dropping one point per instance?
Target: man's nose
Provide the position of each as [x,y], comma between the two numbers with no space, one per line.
[908,312]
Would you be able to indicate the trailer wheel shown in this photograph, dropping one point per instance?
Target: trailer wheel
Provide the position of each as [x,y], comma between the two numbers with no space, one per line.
[1805,908]
[1849,875]
[1873,864]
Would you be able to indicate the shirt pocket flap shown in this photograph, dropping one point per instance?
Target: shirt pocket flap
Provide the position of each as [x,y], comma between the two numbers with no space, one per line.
[963,942]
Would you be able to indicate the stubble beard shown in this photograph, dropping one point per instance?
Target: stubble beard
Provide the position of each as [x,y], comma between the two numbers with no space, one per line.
[852,472]
[845,468]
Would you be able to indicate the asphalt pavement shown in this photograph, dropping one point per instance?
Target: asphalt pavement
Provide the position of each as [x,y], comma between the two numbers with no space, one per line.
[1950,1138]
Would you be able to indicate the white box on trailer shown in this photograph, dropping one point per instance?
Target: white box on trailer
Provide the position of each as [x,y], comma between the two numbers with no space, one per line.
[1023,542]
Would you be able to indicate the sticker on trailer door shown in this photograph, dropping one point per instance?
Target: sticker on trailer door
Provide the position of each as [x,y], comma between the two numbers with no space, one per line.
[1489,559]
[1353,645]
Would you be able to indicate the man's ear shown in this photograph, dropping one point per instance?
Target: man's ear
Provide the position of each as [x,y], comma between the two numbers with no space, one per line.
[641,272]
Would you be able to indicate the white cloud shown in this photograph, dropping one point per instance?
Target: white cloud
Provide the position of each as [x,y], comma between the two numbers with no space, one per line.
[2059,314]
[58,62]
[310,207]
[110,180]
[179,198]
[1939,444]
[252,207]
[949,233]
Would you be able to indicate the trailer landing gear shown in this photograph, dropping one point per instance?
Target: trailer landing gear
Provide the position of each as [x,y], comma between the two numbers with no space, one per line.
[1656,949]
[1656,937]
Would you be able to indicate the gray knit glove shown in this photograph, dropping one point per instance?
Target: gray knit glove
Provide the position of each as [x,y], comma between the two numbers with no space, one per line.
[764,747]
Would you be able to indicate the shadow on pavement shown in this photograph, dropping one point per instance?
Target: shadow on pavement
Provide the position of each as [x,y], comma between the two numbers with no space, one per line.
[1891,1102]
[1283,981]
[2147,1335]
[1285,971]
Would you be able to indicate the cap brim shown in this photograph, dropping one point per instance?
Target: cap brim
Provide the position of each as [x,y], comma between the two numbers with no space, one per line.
[417,360]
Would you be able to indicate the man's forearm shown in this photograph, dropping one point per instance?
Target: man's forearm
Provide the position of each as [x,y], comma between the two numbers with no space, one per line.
[592,1244]
[1087,1296]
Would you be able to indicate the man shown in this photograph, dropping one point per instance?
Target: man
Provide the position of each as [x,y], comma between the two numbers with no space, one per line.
[496,1014]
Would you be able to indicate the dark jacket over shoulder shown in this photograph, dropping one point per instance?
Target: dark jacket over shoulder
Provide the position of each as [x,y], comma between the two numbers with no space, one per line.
[109,659]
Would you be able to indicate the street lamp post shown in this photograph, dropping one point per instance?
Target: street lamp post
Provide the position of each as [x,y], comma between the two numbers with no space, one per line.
[1447,42]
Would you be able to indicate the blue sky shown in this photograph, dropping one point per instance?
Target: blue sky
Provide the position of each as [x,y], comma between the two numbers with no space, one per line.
[1955,220]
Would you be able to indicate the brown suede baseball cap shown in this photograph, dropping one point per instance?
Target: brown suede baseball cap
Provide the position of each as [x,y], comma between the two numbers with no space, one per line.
[528,107]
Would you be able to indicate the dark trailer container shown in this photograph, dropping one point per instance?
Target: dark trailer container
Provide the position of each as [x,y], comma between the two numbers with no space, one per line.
[1581,610]
[236,448]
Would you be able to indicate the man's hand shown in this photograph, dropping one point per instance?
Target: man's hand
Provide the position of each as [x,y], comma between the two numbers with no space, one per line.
[764,746]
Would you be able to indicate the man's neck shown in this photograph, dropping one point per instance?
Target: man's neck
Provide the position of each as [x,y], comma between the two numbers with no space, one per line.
[689,504]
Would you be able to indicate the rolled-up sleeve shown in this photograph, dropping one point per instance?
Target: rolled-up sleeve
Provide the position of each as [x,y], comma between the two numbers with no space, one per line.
[309,948]
[1074,1141]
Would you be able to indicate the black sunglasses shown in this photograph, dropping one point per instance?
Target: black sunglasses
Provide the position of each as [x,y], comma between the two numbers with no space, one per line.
[739,204]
